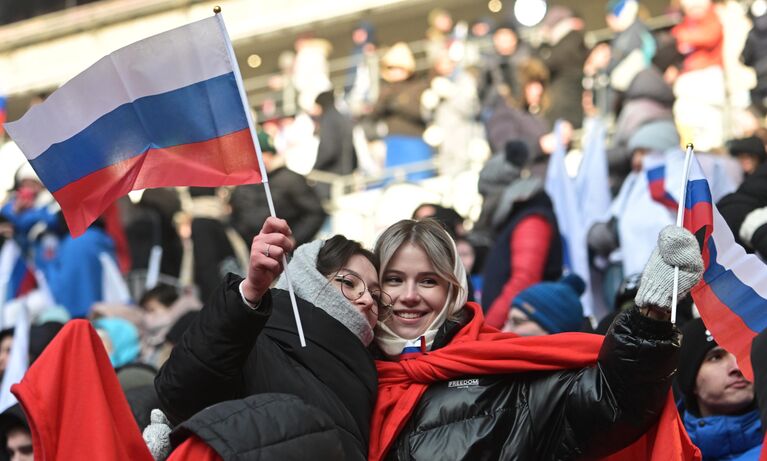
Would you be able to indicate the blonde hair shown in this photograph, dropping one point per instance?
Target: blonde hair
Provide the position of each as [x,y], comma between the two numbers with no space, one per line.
[433,239]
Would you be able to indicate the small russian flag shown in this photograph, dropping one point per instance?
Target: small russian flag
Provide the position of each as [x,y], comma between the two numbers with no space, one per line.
[732,296]
[413,348]
[3,113]
[17,277]
[655,167]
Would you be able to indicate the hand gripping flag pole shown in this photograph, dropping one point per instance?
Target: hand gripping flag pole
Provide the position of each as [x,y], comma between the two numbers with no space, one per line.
[680,223]
[265,178]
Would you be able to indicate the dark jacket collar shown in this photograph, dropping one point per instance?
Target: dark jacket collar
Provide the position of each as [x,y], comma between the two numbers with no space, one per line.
[320,331]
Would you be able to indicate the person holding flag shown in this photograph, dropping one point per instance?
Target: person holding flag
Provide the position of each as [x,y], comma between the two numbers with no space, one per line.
[730,297]
[243,343]
[451,387]
[169,110]
[29,205]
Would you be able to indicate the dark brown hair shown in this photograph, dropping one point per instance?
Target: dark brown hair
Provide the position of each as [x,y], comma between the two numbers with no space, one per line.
[336,252]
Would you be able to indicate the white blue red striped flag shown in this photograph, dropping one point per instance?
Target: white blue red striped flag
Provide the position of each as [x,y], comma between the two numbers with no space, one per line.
[732,296]
[164,111]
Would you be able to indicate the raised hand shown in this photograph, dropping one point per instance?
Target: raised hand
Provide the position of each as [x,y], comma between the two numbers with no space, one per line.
[266,252]
[677,247]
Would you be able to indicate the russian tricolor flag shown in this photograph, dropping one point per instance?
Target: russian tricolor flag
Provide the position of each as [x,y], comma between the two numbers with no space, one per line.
[164,111]
[732,296]
[16,278]
[655,167]
[22,280]
[3,113]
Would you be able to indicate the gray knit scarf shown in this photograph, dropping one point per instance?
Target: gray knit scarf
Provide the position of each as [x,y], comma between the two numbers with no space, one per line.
[312,286]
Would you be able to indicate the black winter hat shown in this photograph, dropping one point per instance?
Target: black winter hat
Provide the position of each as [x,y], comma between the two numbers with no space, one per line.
[516,153]
[696,342]
[11,418]
[751,145]
[40,336]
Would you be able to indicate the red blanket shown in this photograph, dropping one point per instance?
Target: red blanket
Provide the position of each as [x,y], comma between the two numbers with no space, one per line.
[401,384]
[74,403]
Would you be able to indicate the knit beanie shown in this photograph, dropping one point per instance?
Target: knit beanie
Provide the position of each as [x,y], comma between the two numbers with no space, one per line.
[616,7]
[11,418]
[750,145]
[312,286]
[555,306]
[124,337]
[265,141]
[659,135]
[696,342]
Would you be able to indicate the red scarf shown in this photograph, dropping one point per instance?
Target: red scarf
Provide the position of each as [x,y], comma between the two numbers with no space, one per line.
[194,448]
[401,384]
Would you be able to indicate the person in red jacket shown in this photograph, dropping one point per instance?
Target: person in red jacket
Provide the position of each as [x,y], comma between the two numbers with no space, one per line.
[700,89]
[524,246]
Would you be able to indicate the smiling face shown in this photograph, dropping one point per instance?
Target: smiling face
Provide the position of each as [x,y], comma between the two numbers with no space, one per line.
[720,387]
[359,269]
[418,293]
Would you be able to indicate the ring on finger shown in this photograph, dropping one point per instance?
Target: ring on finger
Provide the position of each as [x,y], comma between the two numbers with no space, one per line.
[266,252]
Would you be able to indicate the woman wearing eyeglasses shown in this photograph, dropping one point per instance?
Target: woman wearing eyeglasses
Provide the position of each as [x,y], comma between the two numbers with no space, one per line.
[451,387]
[245,342]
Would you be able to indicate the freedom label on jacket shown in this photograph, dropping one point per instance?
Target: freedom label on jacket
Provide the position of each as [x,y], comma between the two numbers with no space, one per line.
[463,383]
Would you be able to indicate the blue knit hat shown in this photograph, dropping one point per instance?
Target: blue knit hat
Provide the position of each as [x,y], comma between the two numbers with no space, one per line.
[615,7]
[125,339]
[555,306]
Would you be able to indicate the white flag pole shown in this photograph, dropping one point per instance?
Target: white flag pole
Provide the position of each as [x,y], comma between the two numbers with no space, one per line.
[264,177]
[680,223]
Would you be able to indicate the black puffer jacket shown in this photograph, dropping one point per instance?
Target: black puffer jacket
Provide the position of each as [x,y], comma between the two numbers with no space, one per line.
[264,427]
[548,415]
[231,352]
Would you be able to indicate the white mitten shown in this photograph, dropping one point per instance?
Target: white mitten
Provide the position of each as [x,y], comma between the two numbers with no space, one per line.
[157,435]
[676,247]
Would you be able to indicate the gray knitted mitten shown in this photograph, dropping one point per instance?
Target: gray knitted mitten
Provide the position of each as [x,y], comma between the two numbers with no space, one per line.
[676,247]
[156,435]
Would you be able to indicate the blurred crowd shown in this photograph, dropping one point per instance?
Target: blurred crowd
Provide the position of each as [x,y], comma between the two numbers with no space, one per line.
[491,97]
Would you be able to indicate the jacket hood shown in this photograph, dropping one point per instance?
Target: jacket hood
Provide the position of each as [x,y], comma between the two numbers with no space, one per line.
[312,286]
[497,174]
[649,84]
[282,424]
[659,136]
